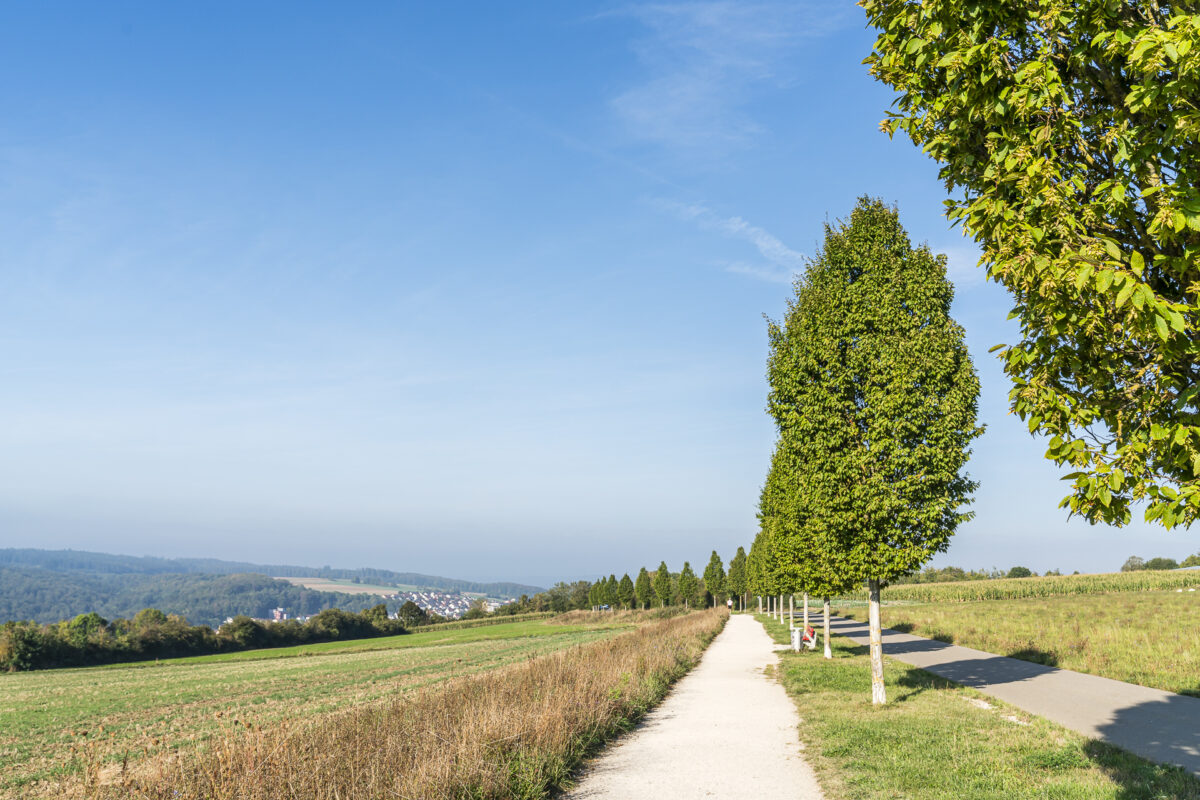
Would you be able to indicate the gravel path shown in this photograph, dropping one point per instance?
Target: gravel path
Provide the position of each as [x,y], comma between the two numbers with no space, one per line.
[725,731]
[1161,726]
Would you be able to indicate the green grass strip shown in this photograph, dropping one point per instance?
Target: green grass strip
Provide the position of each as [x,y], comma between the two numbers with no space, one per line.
[935,739]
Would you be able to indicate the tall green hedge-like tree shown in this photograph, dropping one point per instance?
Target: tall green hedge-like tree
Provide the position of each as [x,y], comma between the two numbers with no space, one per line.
[1069,135]
[735,582]
[714,578]
[612,591]
[625,591]
[876,396]
[773,507]
[662,584]
[688,585]
[643,588]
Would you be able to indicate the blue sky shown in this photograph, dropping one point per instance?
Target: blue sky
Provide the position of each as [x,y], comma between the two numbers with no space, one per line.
[474,289]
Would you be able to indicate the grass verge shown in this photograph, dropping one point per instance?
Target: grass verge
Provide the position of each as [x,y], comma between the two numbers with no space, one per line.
[936,740]
[1147,638]
[511,733]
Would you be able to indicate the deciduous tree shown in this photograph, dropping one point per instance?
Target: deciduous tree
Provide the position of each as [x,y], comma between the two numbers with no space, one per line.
[687,584]
[662,584]
[714,578]
[643,588]
[626,591]
[875,396]
[736,580]
[1069,136]
[1133,564]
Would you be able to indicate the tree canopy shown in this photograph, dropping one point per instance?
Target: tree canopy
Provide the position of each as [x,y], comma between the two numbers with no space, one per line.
[688,584]
[874,396]
[735,581]
[643,588]
[714,577]
[875,392]
[1069,137]
[662,583]
[625,591]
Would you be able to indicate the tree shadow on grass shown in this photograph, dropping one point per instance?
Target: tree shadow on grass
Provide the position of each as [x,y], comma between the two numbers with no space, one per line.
[914,681]
[1047,658]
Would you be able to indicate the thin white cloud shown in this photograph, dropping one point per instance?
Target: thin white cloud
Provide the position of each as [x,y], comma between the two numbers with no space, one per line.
[761,273]
[962,264]
[704,60]
[782,262]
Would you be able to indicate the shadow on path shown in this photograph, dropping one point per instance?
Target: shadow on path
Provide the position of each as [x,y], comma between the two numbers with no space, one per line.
[1155,724]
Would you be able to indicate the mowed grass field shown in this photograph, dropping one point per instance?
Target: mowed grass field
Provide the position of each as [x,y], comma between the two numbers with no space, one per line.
[347,586]
[54,722]
[1149,637]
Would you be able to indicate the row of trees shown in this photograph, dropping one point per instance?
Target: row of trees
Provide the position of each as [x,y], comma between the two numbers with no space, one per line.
[873,395]
[664,588]
[955,574]
[1067,136]
[91,639]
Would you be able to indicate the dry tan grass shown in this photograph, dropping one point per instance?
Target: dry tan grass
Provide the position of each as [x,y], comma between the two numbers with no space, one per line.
[510,733]
[637,615]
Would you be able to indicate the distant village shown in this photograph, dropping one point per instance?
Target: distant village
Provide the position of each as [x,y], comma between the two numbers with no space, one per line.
[444,604]
[450,606]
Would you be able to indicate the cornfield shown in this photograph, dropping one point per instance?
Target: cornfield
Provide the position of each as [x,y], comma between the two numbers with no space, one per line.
[1049,586]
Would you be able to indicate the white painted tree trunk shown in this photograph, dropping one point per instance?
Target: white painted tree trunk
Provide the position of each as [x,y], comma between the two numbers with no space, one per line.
[791,611]
[828,649]
[878,694]
[806,611]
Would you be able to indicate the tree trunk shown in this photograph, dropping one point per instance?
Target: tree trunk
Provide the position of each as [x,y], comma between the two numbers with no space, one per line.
[878,695]
[806,611]
[828,649]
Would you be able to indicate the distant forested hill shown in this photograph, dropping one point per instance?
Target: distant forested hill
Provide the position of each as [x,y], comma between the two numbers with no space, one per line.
[41,595]
[105,563]
[49,585]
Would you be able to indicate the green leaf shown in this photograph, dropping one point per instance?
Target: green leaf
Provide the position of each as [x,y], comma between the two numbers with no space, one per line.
[1124,294]
[1161,325]
[1139,296]
[1136,262]
[1082,275]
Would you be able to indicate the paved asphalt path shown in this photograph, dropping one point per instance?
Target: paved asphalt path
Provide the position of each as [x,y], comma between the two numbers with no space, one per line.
[1161,726]
[725,731]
